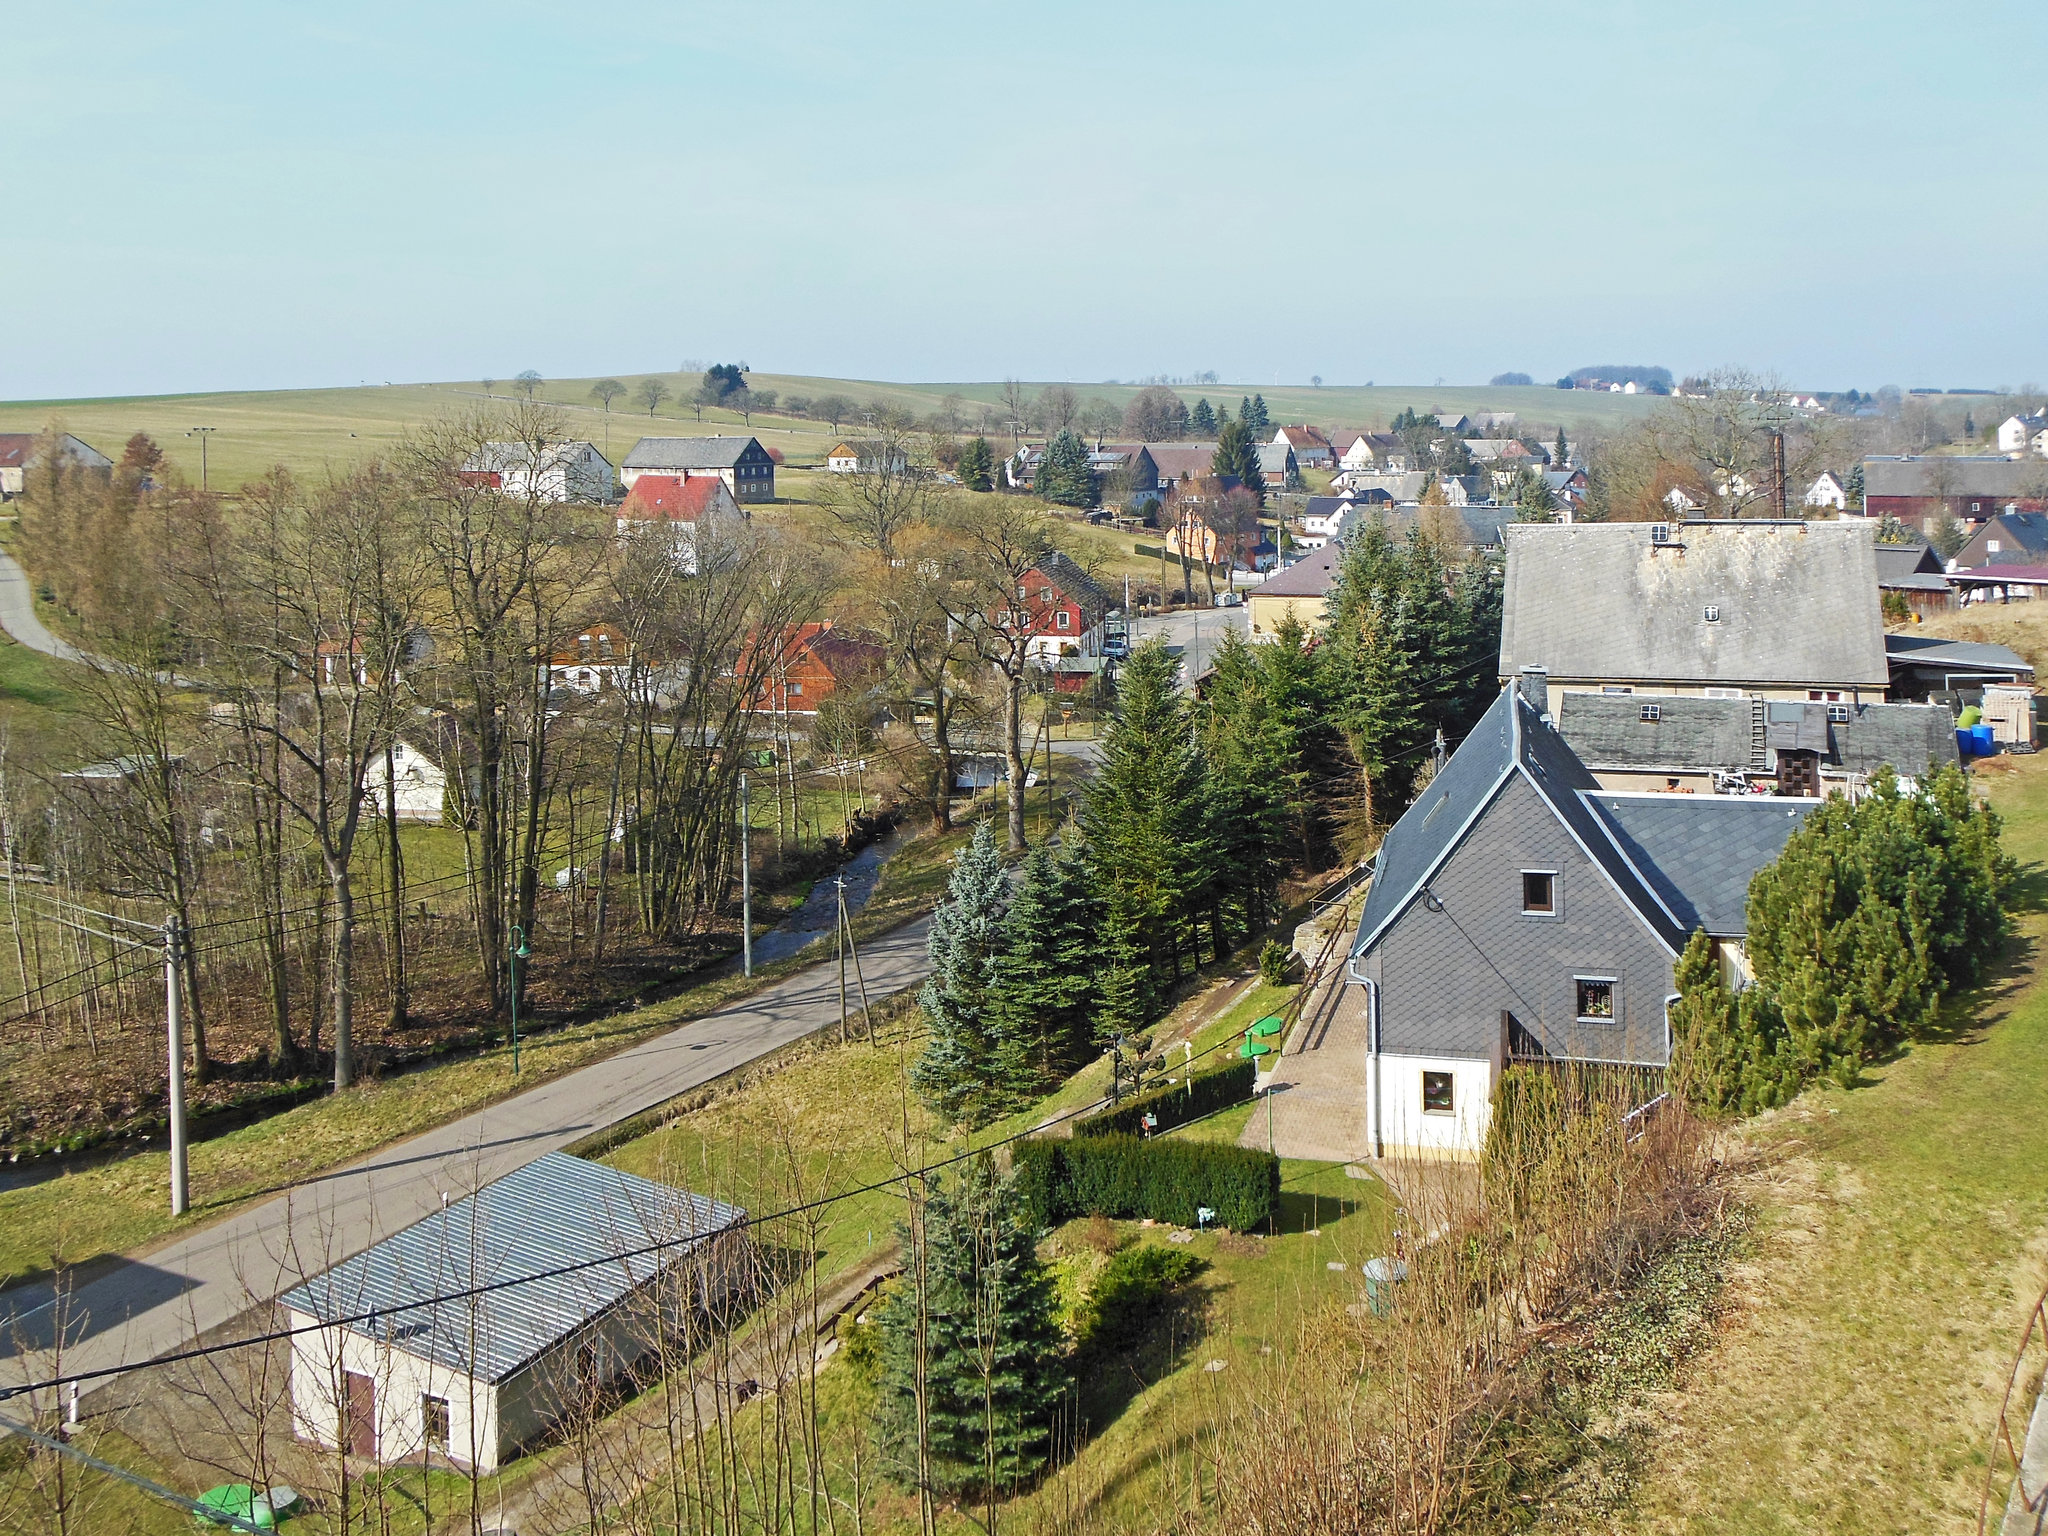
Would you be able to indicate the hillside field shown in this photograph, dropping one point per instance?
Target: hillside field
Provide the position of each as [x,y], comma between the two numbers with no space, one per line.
[309,430]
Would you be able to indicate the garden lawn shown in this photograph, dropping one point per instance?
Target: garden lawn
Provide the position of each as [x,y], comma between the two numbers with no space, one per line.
[1903,1235]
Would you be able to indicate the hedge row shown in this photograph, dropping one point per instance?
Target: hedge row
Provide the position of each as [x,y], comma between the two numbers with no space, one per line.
[1202,1094]
[1121,1176]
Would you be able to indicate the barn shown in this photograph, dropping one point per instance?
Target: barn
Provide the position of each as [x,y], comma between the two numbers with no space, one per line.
[469,1335]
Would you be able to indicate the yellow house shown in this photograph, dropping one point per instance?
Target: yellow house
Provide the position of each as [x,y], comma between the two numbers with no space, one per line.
[1302,591]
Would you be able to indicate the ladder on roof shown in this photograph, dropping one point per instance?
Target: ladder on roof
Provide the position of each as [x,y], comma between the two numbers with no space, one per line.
[1758,713]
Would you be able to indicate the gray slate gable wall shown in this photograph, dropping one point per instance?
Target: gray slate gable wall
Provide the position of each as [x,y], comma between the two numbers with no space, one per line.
[1445,977]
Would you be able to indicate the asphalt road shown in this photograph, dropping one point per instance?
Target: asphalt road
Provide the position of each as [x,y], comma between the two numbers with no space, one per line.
[1196,633]
[158,1301]
[18,613]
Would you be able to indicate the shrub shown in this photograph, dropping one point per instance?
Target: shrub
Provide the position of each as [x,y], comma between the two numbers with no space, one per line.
[1175,1104]
[1275,960]
[1120,1176]
[1127,1294]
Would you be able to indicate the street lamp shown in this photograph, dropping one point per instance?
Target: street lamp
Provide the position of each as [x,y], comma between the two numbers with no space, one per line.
[202,433]
[519,952]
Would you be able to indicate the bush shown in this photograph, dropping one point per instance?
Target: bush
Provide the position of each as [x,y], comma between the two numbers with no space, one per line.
[1122,1177]
[1176,1104]
[1127,1294]
[1275,960]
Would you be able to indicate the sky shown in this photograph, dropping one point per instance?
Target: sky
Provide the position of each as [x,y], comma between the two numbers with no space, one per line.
[252,196]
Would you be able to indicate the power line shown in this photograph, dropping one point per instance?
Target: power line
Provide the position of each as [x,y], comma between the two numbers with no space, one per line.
[279,1335]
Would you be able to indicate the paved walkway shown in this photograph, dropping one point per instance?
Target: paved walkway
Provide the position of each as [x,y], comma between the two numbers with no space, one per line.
[18,613]
[161,1300]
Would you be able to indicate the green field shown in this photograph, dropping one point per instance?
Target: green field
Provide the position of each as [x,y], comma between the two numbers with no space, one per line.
[312,429]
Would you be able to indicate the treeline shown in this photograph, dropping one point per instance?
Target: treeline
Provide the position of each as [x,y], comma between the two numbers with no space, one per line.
[1198,810]
[1875,914]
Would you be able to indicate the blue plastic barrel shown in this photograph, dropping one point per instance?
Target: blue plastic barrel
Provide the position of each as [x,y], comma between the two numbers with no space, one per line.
[1985,745]
[1966,742]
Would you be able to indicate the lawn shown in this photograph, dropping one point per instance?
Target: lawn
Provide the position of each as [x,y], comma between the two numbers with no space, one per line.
[1902,1236]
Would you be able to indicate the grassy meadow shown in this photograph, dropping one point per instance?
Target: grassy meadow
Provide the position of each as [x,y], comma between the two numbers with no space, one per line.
[312,430]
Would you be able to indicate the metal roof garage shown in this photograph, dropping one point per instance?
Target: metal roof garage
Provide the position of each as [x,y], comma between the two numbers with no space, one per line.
[570,1268]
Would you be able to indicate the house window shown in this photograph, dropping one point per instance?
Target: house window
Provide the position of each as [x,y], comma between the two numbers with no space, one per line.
[1539,891]
[434,1421]
[796,688]
[1713,614]
[1839,713]
[1722,693]
[1436,1093]
[1596,999]
[1064,620]
[1615,688]
[1653,712]
[1832,695]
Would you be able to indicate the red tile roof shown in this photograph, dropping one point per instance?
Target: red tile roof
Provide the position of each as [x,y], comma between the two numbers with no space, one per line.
[15,448]
[671,496]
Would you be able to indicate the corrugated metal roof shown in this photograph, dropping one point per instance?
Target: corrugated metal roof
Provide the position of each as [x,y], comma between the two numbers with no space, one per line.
[555,1212]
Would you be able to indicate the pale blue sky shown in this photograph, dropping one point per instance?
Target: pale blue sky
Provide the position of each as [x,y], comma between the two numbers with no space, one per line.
[254,195]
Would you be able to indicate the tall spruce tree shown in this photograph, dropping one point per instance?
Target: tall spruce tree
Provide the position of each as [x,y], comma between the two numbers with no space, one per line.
[959,1074]
[1561,454]
[977,465]
[1064,474]
[1255,416]
[1044,989]
[1148,821]
[1202,420]
[1269,748]
[990,1343]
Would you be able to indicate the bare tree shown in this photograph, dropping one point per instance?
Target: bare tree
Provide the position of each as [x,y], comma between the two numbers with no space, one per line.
[929,652]
[893,489]
[1056,409]
[650,393]
[1016,408]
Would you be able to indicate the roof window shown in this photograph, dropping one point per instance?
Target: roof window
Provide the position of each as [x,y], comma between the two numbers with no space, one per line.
[1652,712]
[1712,613]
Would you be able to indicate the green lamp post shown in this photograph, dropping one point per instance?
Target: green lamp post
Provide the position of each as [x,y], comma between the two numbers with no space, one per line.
[519,952]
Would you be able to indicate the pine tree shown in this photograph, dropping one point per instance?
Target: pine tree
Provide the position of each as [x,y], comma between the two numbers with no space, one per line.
[1150,838]
[1244,412]
[1256,418]
[977,465]
[1202,421]
[1064,474]
[1561,454]
[992,1346]
[1043,991]
[957,1075]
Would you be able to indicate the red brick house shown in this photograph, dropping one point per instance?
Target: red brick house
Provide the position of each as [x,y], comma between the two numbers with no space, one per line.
[1061,608]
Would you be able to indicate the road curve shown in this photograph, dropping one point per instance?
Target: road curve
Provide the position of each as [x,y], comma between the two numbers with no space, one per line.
[18,614]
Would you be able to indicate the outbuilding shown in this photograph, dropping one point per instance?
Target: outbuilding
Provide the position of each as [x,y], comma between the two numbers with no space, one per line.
[470,1334]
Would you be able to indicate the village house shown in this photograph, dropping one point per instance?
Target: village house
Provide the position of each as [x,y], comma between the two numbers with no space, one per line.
[1916,572]
[596,660]
[18,456]
[2024,434]
[1381,451]
[1712,609]
[2008,537]
[741,462]
[1277,464]
[1827,493]
[418,781]
[1063,609]
[1971,487]
[1518,912]
[1209,529]
[1708,746]
[1300,592]
[1311,448]
[564,471]
[687,512]
[851,459]
[567,1273]
[813,662]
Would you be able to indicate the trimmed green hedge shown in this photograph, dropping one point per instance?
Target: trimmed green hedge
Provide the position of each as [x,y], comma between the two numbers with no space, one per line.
[1203,1094]
[1121,1176]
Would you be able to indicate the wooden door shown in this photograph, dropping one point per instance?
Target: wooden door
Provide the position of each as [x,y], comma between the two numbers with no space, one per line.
[360,1416]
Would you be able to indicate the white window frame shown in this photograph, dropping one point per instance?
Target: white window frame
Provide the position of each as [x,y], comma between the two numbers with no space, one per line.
[1556,905]
[1613,985]
[1431,1109]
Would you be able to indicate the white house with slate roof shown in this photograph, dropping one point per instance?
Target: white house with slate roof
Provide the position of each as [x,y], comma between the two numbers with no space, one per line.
[570,1269]
[1520,912]
[741,462]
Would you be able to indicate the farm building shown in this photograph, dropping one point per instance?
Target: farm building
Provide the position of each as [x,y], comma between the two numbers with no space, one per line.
[569,471]
[18,456]
[741,462]
[572,1268]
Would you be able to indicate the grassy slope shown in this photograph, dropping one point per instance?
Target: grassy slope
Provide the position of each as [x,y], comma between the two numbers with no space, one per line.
[1905,1228]
[310,429]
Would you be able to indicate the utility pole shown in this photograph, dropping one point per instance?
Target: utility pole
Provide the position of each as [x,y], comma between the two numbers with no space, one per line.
[518,952]
[746,886]
[202,433]
[840,881]
[853,949]
[1778,468]
[181,1190]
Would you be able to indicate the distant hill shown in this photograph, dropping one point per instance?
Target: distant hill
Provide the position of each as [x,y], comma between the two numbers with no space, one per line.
[1621,373]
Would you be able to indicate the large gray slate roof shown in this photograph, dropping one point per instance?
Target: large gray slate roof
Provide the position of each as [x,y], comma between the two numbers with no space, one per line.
[1607,730]
[1701,851]
[688,452]
[556,1211]
[1796,603]
[1998,478]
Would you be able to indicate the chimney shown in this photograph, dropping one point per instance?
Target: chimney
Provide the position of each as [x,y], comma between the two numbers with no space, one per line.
[1535,683]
